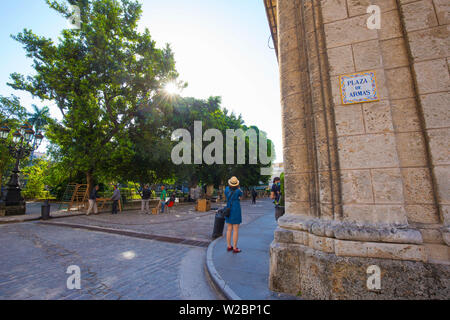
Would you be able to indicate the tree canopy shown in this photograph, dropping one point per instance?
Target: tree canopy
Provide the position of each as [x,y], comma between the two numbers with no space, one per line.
[107,79]
[101,77]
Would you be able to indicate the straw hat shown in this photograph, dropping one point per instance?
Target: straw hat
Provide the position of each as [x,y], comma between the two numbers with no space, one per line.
[233,182]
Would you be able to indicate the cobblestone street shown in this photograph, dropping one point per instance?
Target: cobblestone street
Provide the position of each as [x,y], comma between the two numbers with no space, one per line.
[182,221]
[36,255]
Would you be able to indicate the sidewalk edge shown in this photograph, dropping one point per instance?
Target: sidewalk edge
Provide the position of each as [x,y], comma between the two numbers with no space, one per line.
[215,276]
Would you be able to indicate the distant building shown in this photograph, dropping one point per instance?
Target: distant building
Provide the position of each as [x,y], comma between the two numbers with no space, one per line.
[39,155]
[277,170]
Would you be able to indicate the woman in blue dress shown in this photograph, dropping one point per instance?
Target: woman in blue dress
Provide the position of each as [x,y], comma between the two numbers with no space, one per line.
[233,195]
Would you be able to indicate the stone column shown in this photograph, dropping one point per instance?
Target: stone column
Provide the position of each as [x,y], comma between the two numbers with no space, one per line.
[366,184]
[296,115]
[426,28]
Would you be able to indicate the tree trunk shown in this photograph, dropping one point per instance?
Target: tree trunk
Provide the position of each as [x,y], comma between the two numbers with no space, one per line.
[90,180]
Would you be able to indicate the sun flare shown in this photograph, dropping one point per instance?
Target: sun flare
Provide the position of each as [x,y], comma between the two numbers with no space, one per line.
[172,88]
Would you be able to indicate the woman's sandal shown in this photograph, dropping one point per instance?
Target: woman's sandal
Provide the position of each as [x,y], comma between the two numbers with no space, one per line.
[230,249]
[237,250]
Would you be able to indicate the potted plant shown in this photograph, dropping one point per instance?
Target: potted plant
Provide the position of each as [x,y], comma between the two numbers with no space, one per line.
[279,208]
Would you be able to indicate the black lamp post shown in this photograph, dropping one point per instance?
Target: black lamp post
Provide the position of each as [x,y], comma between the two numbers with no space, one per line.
[23,141]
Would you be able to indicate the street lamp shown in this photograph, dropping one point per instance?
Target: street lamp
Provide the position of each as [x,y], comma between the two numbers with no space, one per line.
[4,132]
[24,141]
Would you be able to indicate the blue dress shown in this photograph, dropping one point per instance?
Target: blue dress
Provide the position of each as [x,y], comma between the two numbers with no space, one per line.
[234,203]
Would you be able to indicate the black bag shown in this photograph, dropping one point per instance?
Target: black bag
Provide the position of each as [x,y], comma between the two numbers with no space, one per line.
[225,212]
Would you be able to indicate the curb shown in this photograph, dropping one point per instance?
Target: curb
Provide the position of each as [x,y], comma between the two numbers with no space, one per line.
[22,219]
[219,283]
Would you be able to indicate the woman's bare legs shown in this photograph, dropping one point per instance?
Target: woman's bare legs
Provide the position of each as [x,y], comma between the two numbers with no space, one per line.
[235,235]
[229,228]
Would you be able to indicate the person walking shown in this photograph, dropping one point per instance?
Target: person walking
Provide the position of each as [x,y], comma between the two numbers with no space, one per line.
[254,195]
[146,194]
[115,199]
[162,198]
[93,200]
[233,195]
[276,191]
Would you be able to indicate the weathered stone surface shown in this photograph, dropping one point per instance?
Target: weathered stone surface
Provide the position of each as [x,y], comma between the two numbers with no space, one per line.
[367,151]
[377,117]
[432,76]
[394,53]
[442,8]
[399,82]
[333,10]
[431,43]
[396,252]
[419,15]
[391,27]
[440,145]
[367,55]
[436,110]
[349,120]
[432,236]
[418,187]
[341,60]
[411,149]
[387,186]
[443,182]
[348,31]
[363,187]
[422,213]
[356,186]
[438,252]
[350,248]
[359,7]
[405,115]
[374,214]
[313,274]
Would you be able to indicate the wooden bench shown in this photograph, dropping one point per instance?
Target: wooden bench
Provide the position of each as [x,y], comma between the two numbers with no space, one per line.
[102,201]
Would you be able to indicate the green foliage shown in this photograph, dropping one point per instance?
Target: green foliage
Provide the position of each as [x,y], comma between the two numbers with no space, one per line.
[12,114]
[101,77]
[39,118]
[282,189]
[35,177]
[106,78]
[184,113]
[58,176]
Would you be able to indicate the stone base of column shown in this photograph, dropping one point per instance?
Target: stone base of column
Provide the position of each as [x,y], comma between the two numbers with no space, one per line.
[12,210]
[313,274]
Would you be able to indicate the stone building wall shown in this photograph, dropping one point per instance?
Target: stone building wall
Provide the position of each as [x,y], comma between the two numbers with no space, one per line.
[366,183]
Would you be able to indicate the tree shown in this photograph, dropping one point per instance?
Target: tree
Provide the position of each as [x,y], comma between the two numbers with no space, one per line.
[35,176]
[39,118]
[101,77]
[183,115]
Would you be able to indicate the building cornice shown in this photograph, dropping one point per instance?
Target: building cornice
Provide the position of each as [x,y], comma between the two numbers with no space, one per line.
[271,10]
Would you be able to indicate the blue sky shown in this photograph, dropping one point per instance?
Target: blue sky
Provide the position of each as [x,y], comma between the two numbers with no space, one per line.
[221,49]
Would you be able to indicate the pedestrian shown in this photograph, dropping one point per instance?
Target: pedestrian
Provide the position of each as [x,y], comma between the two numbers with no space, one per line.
[233,195]
[115,199]
[93,200]
[254,195]
[146,193]
[162,198]
[171,202]
[276,191]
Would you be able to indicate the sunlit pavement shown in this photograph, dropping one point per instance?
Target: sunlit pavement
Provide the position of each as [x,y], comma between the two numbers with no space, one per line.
[116,254]
[182,222]
[35,258]
[246,275]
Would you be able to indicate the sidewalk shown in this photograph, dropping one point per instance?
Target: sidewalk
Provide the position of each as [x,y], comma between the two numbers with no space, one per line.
[37,216]
[246,275]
